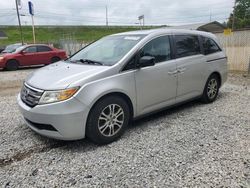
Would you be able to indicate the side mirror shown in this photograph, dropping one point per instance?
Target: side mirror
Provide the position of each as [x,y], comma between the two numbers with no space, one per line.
[146,61]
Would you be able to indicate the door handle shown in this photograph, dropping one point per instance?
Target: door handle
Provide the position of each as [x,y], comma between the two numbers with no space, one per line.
[181,70]
[173,72]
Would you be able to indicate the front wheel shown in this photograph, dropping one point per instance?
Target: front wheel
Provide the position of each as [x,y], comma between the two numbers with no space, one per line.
[211,89]
[107,120]
[12,65]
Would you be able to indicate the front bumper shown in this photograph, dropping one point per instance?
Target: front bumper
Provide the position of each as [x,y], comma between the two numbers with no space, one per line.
[68,118]
[2,64]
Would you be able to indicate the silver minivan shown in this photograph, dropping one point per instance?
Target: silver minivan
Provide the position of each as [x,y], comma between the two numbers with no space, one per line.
[98,90]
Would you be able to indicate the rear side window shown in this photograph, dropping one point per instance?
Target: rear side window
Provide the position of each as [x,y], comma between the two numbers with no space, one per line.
[43,49]
[187,45]
[158,48]
[210,46]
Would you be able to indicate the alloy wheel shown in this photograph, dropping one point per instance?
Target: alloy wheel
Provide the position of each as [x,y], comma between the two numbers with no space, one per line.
[212,88]
[110,120]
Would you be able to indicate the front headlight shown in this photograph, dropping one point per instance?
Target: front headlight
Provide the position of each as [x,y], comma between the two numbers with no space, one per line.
[56,96]
[1,58]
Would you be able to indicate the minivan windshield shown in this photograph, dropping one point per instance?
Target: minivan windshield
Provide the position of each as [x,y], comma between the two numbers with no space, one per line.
[106,51]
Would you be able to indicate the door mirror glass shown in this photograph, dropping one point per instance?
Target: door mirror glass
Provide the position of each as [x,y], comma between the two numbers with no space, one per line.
[146,61]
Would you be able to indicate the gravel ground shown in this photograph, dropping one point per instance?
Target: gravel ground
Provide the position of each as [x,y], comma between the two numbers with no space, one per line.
[11,81]
[193,145]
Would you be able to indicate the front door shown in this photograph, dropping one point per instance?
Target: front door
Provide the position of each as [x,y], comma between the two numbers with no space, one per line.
[156,85]
[28,56]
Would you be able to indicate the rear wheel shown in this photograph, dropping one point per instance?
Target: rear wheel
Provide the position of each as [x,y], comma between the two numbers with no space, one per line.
[211,89]
[12,65]
[107,120]
[55,59]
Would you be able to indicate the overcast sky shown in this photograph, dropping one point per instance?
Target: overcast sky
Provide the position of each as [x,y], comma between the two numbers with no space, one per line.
[126,12]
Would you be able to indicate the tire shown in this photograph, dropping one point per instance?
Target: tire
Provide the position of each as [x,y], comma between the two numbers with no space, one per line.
[12,65]
[101,127]
[55,59]
[211,89]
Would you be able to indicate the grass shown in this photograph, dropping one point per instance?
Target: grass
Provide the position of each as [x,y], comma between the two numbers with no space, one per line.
[48,34]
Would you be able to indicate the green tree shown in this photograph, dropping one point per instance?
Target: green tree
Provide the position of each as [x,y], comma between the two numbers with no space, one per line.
[242,15]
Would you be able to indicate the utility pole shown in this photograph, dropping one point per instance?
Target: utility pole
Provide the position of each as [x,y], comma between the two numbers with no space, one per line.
[107,22]
[33,29]
[31,11]
[233,22]
[19,22]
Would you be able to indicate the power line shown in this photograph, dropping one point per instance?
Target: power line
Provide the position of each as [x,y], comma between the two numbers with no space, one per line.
[155,18]
[119,17]
[49,15]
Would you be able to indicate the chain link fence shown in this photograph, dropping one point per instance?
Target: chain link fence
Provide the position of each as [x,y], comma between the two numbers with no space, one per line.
[237,48]
[70,44]
[67,42]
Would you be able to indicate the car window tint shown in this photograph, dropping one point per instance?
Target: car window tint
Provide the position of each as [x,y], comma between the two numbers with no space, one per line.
[187,45]
[158,48]
[30,49]
[43,49]
[210,46]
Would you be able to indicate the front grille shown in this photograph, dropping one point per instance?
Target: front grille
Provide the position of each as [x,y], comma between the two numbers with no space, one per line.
[41,126]
[30,96]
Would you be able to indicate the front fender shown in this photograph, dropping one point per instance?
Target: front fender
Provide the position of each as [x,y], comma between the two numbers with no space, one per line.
[122,82]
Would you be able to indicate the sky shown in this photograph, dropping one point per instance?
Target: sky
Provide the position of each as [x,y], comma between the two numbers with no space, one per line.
[125,12]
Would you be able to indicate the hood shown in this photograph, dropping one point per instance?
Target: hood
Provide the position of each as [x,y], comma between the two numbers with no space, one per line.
[61,74]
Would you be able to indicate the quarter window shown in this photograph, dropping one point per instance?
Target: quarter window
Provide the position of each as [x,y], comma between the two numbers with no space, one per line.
[187,45]
[43,49]
[158,48]
[131,64]
[210,46]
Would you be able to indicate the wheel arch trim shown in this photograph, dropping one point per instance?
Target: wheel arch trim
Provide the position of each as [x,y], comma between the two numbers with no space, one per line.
[120,94]
[219,76]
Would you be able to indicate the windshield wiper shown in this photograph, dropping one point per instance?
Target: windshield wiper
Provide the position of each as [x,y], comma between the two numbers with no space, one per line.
[87,61]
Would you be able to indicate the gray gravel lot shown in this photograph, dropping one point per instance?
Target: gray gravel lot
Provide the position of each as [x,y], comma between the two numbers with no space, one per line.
[12,79]
[193,145]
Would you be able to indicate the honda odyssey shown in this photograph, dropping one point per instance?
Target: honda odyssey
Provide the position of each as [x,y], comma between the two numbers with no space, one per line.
[98,90]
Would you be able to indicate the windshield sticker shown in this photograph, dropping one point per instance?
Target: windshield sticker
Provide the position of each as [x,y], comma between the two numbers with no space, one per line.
[132,38]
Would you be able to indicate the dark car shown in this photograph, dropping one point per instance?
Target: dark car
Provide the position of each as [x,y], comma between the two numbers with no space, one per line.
[29,55]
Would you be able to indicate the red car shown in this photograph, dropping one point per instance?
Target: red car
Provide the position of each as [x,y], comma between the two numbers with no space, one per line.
[27,55]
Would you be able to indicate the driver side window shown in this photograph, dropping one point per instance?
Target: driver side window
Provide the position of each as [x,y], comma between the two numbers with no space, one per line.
[159,48]
[31,49]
